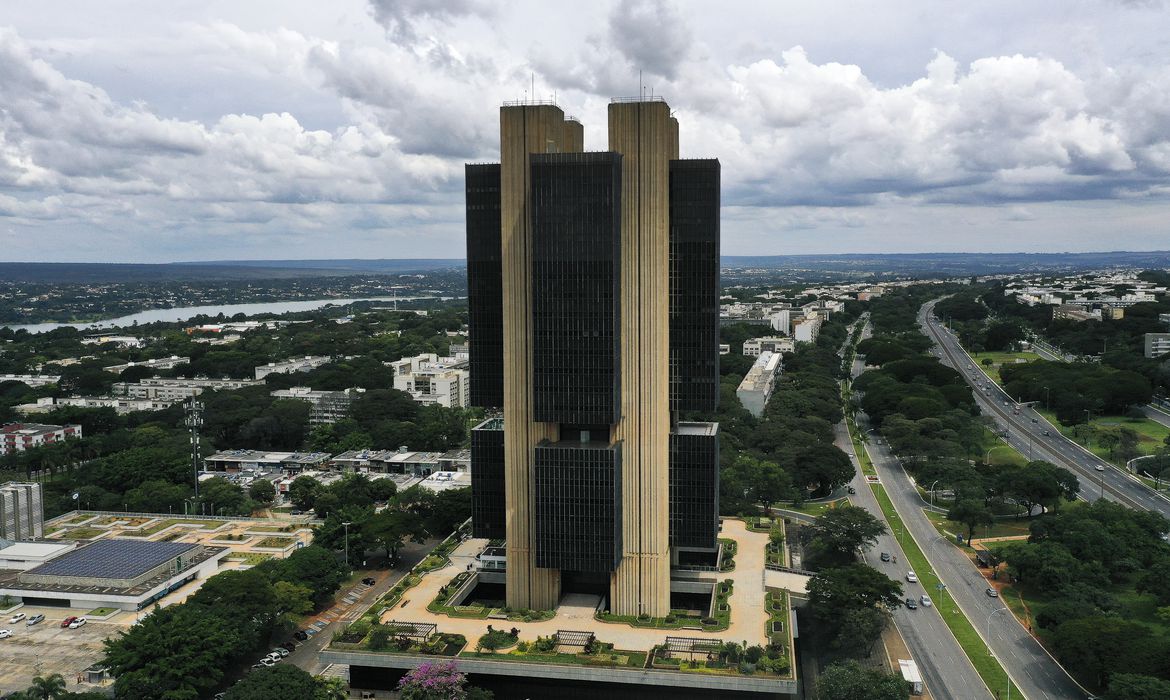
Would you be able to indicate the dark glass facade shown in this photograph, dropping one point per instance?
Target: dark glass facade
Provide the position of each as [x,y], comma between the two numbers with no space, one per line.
[487,479]
[694,285]
[485,297]
[694,485]
[578,506]
[576,253]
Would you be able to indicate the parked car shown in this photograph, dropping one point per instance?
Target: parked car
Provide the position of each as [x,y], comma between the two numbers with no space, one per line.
[289,645]
[280,651]
[369,580]
[68,621]
[300,635]
[5,634]
[1046,433]
[35,619]
[1035,420]
[911,604]
[16,618]
[912,577]
[885,556]
[79,622]
[268,661]
[926,601]
[992,593]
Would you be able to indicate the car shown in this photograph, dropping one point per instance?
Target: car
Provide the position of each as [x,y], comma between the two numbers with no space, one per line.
[369,580]
[5,634]
[258,665]
[289,645]
[885,556]
[1035,420]
[267,661]
[991,592]
[912,577]
[35,619]
[79,622]
[219,696]
[281,651]
[16,618]
[926,601]
[296,512]
[300,635]
[1099,467]
[1005,403]
[1046,433]
[68,621]
[911,604]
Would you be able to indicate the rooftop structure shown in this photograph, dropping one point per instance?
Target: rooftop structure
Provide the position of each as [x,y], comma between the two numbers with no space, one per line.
[122,341]
[17,437]
[160,363]
[176,389]
[325,406]
[22,512]
[300,364]
[753,347]
[289,462]
[430,379]
[120,405]
[756,388]
[31,380]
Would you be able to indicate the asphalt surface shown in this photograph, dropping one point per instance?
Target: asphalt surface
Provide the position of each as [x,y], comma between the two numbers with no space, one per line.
[944,666]
[1157,414]
[1025,430]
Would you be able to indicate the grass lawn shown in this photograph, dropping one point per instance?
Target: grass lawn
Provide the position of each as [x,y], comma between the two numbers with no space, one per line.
[1002,528]
[275,542]
[978,652]
[101,612]
[998,359]
[251,558]
[1150,433]
[81,533]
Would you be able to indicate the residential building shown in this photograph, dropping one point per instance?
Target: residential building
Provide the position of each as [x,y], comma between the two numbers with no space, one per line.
[22,512]
[121,405]
[122,341]
[594,289]
[325,406]
[1157,344]
[299,364]
[782,321]
[807,329]
[1164,318]
[18,437]
[754,347]
[31,380]
[156,364]
[1074,313]
[431,379]
[235,461]
[177,389]
[756,388]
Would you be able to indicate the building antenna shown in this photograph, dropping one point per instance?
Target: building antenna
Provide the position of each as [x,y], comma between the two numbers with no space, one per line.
[532,75]
[641,87]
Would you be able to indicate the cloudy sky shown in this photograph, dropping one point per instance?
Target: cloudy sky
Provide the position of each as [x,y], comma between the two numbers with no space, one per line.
[146,131]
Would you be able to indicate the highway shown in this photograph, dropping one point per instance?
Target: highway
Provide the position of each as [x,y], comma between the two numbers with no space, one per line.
[1026,430]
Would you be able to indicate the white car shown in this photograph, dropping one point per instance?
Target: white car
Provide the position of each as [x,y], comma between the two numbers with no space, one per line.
[912,577]
[267,661]
[926,601]
[16,618]
[1098,467]
[5,634]
[79,622]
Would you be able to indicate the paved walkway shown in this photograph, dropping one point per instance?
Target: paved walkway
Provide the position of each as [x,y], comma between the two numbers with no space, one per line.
[747,602]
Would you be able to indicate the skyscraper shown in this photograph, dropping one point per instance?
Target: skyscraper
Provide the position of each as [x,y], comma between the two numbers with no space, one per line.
[594,286]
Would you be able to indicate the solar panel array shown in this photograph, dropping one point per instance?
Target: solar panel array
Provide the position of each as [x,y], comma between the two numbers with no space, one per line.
[115,558]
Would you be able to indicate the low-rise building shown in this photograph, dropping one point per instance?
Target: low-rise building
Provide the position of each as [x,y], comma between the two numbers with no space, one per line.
[756,388]
[18,437]
[122,341]
[156,364]
[31,380]
[325,406]
[754,347]
[120,404]
[177,389]
[724,349]
[1157,344]
[430,379]
[300,364]
[1069,312]
[235,461]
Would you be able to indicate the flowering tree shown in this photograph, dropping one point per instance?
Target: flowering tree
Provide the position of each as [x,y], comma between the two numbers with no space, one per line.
[433,681]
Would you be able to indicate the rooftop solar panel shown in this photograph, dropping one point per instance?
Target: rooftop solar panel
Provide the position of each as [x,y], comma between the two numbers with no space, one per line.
[118,559]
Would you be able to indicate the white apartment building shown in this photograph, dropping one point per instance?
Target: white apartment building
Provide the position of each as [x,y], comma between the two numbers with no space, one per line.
[18,437]
[1157,344]
[162,389]
[756,388]
[806,330]
[754,347]
[782,321]
[31,380]
[120,405]
[325,406]
[430,379]
[160,363]
[122,341]
[300,364]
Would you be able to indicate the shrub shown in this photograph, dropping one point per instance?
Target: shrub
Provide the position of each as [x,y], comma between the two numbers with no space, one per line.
[709,621]
[746,668]
[522,647]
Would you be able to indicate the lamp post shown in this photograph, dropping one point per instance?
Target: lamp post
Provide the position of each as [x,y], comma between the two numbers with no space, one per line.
[932,485]
[1046,404]
[989,616]
[347,524]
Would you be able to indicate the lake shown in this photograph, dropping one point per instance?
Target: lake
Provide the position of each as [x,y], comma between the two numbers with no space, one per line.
[184,313]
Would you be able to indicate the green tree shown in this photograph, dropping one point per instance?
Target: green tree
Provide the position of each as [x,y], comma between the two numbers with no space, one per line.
[838,534]
[262,491]
[971,513]
[50,687]
[303,492]
[391,529]
[1131,686]
[850,681]
[834,591]
[292,598]
[283,681]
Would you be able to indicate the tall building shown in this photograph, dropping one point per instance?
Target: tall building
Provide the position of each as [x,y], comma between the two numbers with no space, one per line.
[594,299]
[22,514]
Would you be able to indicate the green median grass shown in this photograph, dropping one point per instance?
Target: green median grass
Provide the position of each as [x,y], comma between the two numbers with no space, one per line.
[985,664]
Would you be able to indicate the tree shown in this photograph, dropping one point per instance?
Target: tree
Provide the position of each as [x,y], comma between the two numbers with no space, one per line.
[834,591]
[46,687]
[292,598]
[971,513]
[303,492]
[433,681]
[391,528]
[450,508]
[850,681]
[262,491]
[1131,686]
[840,533]
[283,681]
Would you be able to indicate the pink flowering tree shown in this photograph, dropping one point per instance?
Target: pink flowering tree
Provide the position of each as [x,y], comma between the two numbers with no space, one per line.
[433,681]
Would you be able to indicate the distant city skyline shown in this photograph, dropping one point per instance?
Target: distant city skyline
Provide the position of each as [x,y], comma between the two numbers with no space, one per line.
[153,133]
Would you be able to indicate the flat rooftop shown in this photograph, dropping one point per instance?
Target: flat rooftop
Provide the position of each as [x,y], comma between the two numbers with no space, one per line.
[112,559]
[22,550]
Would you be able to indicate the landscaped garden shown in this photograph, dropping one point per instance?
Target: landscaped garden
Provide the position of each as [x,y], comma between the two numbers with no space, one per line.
[683,619]
[714,656]
[549,650]
[275,542]
[480,609]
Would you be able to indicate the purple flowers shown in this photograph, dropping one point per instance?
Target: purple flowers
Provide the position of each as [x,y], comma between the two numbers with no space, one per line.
[433,681]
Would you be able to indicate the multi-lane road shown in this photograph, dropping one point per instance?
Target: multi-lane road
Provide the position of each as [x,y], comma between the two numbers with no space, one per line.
[1033,436]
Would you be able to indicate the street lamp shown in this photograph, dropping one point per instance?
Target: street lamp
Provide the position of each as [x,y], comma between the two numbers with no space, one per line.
[989,616]
[932,493]
[347,524]
[1046,405]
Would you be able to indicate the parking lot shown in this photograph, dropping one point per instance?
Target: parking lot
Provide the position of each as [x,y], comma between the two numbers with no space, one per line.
[45,648]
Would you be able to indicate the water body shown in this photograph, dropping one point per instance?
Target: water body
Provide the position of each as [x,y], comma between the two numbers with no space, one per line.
[184,313]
